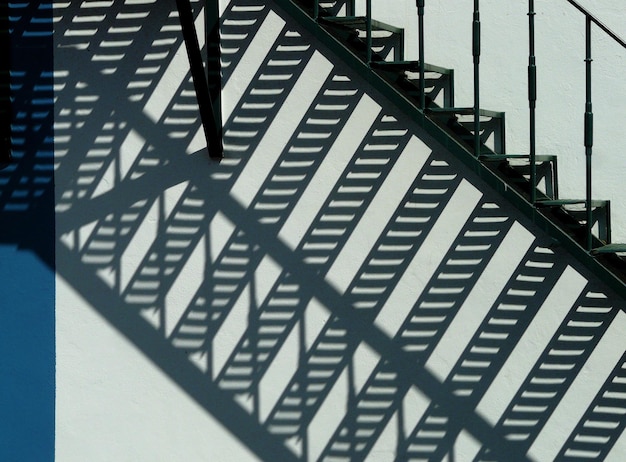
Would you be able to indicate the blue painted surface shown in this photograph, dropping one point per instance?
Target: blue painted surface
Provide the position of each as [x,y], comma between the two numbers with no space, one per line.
[27,360]
[27,240]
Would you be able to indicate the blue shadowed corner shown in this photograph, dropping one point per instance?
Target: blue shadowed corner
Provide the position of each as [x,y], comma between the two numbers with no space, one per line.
[27,234]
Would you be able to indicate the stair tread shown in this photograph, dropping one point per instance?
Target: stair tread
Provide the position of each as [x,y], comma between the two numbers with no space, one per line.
[465,111]
[539,157]
[360,21]
[438,116]
[560,202]
[609,248]
[413,66]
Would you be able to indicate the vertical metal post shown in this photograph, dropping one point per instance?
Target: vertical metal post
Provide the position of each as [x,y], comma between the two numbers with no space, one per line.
[368,26]
[316,9]
[588,131]
[420,16]
[476,55]
[213,71]
[349,7]
[532,100]
[212,132]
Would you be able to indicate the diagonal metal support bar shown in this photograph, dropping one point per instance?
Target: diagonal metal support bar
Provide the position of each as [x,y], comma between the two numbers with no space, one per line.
[212,130]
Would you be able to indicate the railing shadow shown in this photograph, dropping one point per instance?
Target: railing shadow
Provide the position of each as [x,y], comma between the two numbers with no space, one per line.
[331,257]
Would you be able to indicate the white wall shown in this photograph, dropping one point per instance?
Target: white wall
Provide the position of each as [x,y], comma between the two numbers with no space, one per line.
[156,246]
[560,51]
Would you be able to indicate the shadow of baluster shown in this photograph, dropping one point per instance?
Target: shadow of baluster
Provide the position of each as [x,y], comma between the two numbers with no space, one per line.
[556,368]
[275,200]
[382,394]
[603,423]
[485,354]
[238,26]
[385,263]
[320,246]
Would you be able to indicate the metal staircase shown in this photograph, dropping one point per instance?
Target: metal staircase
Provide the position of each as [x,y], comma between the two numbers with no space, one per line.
[475,134]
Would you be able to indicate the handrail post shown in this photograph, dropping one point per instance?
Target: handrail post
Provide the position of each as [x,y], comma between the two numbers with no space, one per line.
[214,81]
[368,26]
[349,7]
[532,100]
[476,55]
[588,130]
[420,16]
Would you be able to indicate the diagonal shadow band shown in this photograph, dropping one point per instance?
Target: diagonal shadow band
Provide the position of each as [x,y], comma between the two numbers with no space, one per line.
[176,364]
[130,190]
[172,361]
[194,382]
[408,371]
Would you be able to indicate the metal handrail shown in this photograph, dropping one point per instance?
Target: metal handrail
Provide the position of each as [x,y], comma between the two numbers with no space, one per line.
[420,25]
[532,85]
[368,29]
[589,19]
[532,100]
[476,56]
[598,23]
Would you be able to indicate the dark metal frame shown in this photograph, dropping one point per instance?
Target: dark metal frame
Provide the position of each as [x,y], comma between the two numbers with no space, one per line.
[209,114]
[606,268]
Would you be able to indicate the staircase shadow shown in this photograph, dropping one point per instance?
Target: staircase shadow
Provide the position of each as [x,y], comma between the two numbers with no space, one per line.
[314,244]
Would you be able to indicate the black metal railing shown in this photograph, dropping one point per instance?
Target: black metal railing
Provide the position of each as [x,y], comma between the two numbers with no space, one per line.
[532,101]
[476,112]
[588,138]
[476,59]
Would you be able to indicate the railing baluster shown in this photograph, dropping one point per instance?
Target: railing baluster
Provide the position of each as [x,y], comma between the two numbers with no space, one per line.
[368,26]
[420,16]
[476,55]
[316,9]
[588,130]
[532,100]
[349,7]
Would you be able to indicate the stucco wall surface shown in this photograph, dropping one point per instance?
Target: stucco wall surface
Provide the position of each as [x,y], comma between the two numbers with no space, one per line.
[338,287]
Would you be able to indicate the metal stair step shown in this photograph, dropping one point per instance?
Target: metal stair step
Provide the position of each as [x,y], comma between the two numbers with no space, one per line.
[413,66]
[562,202]
[609,249]
[538,158]
[358,22]
[545,167]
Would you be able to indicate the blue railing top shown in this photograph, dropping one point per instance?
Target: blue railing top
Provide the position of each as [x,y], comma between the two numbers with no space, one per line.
[598,23]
